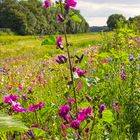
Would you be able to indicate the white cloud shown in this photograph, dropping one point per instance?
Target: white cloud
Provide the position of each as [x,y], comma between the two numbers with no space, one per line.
[96,12]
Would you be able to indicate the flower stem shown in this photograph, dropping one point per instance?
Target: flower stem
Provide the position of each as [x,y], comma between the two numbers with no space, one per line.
[70,63]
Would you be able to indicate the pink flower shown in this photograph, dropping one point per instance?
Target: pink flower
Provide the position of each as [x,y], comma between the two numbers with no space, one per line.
[71,100]
[75,124]
[71,3]
[104,61]
[59,43]
[81,72]
[47,3]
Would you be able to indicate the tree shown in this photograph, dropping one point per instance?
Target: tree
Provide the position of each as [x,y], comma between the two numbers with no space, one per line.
[114,20]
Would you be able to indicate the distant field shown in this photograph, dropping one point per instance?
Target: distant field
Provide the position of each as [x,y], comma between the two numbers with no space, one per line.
[30,46]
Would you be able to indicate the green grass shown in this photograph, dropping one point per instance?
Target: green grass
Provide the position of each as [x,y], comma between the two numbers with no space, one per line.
[30,46]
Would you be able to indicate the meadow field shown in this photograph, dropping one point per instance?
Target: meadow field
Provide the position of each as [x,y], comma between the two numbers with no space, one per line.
[37,100]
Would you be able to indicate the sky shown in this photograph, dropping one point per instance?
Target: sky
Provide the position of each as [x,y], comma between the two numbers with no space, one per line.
[96,12]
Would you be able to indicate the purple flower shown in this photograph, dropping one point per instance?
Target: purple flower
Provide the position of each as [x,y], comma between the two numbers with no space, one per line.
[71,3]
[102,108]
[31,134]
[110,60]
[61,59]
[88,98]
[59,43]
[79,59]
[67,7]
[75,124]
[47,3]
[60,18]
[63,112]
[131,58]
[81,72]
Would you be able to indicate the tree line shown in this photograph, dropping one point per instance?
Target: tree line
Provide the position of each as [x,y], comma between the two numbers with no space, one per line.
[30,18]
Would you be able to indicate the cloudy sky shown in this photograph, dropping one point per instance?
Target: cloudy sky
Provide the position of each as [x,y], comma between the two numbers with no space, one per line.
[96,12]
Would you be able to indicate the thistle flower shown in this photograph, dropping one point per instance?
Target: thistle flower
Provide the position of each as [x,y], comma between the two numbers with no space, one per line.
[59,43]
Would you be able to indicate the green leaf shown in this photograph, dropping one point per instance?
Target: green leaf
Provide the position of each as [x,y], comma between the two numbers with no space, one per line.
[38,132]
[107,116]
[76,18]
[7,123]
[50,40]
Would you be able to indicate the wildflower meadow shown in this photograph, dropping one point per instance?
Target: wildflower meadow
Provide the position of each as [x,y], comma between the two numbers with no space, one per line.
[70,87]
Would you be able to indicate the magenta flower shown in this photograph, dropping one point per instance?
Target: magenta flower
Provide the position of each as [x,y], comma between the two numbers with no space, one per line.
[35,107]
[81,72]
[63,112]
[17,107]
[61,59]
[40,105]
[47,3]
[71,3]
[84,113]
[59,43]
[10,98]
[102,108]
[75,124]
